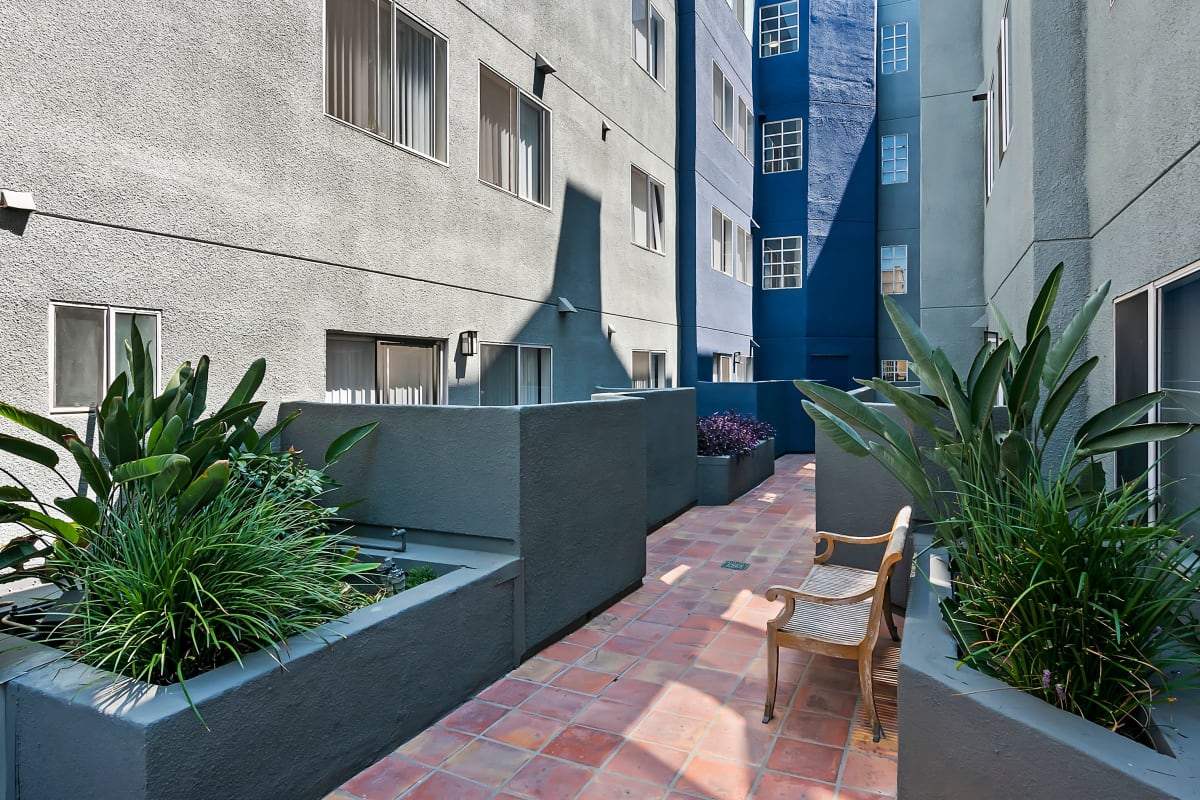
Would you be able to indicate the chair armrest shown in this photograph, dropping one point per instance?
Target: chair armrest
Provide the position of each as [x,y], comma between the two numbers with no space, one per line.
[831,538]
[791,595]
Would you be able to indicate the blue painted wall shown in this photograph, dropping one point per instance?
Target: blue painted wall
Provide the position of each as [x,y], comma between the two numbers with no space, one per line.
[716,310]
[776,402]
[826,329]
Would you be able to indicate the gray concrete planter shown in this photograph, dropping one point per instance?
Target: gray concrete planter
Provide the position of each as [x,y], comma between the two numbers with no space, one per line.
[345,694]
[965,734]
[722,479]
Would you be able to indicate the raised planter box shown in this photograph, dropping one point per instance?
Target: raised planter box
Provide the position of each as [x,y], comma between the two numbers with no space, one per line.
[965,734]
[346,694]
[722,479]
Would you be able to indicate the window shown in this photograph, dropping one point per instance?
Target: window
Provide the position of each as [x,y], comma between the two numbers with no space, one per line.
[514,374]
[893,47]
[87,351]
[991,140]
[724,106]
[745,15]
[649,369]
[646,195]
[893,269]
[894,370]
[722,364]
[745,247]
[779,29]
[783,145]
[745,143]
[514,139]
[782,267]
[385,73]
[895,158]
[1004,86]
[371,369]
[723,244]
[649,42]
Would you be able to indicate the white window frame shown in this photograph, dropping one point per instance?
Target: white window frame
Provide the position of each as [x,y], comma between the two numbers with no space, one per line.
[110,349]
[745,15]
[990,140]
[893,257]
[439,347]
[773,24]
[777,138]
[1004,81]
[444,120]
[722,367]
[728,226]
[745,130]
[547,131]
[726,108]
[652,209]
[795,263]
[656,55]
[891,52]
[652,356]
[519,346]
[894,148]
[745,256]
[894,370]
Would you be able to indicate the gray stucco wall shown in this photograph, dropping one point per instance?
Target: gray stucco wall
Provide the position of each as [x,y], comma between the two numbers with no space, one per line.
[563,486]
[183,163]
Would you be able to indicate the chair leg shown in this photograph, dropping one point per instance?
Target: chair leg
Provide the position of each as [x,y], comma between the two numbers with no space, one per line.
[887,611]
[868,691]
[772,676]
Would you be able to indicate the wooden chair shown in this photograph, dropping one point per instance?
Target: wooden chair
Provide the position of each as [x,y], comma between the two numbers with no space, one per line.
[836,611]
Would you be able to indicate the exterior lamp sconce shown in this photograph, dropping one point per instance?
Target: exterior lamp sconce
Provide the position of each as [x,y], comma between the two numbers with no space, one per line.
[604,129]
[468,342]
[611,332]
[991,338]
[19,201]
[543,66]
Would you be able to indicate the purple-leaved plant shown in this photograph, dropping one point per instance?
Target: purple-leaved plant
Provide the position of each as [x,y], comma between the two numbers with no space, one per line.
[729,434]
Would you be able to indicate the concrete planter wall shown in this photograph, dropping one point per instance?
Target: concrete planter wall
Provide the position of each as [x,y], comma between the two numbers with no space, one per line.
[670,443]
[347,693]
[967,735]
[723,479]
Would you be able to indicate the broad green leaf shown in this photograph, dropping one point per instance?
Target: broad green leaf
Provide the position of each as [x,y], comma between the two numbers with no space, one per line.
[246,387]
[838,432]
[173,477]
[977,363]
[198,391]
[854,412]
[204,489]
[169,438]
[1039,313]
[9,512]
[1024,389]
[58,527]
[918,346]
[1006,333]
[264,442]
[80,509]
[339,446]
[200,451]
[1130,435]
[29,451]
[240,435]
[951,392]
[233,415]
[1122,413]
[59,434]
[116,393]
[20,550]
[912,476]
[983,390]
[90,468]
[149,467]
[1060,399]
[923,412]
[1062,351]
[163,405]
[15,494]
[117,436]
[1017,456]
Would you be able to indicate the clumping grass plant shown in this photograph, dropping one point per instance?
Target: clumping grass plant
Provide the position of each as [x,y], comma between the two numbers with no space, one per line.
[170,595]
[1077,600]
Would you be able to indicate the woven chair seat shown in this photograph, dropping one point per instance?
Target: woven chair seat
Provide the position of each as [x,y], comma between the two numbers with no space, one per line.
[830,580]
[834,624]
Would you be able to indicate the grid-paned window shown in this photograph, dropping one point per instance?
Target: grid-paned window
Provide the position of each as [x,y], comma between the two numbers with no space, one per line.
[894,370]
[745,258]
[722,367]
[514,139]
[724,246]
[745,133]
[371,369]
[88,351]
[646,196]
[649,38]
[385,73]
[783,266]
[895,158]
[893,269]
[783,145]
[779,29]
[893,46]
[514,374]
[649,369]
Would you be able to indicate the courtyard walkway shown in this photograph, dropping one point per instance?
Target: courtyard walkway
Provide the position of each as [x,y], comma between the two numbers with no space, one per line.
[662,695]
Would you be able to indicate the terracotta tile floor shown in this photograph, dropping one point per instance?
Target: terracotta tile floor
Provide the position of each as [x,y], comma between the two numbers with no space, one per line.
[662,695]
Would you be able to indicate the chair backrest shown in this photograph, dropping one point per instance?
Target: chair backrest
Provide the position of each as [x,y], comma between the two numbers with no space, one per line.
[891,557]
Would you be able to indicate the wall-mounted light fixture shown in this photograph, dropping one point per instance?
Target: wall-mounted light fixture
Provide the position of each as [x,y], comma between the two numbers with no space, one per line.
[542,65]
[21,201]
[468,342]
[604,129]
[611,331]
